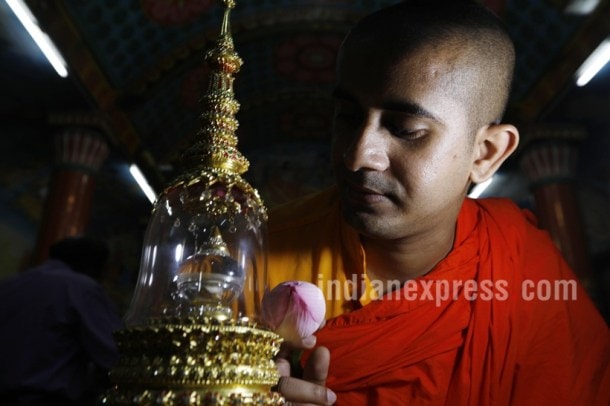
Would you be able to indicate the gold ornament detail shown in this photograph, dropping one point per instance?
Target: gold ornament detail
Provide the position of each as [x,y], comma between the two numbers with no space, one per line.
[197,361]
[213,161]
[215,147]
[219,194]
[196,353]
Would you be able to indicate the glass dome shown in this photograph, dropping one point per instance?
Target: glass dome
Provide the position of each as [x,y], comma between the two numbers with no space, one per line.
[203,253]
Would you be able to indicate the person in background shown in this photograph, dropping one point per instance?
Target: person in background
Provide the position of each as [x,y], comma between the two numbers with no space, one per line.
[431,297]
[56,343]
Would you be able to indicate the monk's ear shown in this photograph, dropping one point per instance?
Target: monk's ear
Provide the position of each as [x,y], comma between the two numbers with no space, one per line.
[493,144]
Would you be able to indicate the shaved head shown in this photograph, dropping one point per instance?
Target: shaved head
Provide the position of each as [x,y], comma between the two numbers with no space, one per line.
[477,49]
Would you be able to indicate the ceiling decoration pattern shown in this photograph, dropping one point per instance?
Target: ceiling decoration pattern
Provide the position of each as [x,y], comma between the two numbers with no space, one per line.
[148,50]
[559,74]
[539,32]
[141,60]
[124,37]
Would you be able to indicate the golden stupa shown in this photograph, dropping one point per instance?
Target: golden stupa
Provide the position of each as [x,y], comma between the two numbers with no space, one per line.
[191,336]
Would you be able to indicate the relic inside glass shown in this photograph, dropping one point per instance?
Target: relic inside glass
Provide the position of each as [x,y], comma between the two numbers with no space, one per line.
[192,335]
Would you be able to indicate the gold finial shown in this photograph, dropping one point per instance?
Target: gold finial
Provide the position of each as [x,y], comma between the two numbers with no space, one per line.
[211,180]
[216,144]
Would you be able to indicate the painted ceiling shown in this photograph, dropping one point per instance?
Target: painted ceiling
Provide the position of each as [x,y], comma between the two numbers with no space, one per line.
[137,67]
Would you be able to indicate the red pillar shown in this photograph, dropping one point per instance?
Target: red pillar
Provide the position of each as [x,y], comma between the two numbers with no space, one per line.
[550,165]
[80,151]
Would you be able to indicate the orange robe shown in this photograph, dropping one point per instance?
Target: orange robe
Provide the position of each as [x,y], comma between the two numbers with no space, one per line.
[499,321]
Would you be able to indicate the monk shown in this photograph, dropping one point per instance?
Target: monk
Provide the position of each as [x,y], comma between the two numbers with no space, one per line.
[433,298]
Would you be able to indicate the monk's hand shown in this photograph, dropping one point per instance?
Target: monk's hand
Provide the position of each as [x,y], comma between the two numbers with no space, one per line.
[309,390]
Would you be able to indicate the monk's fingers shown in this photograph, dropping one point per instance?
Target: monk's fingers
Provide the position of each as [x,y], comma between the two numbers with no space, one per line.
[307,343]
[316,369]
[283,366]
[298,392]
[284,352]
[298,344]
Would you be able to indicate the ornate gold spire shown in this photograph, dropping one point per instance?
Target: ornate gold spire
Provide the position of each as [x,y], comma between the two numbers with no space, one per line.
[216,144]
[188,342]
[212,165]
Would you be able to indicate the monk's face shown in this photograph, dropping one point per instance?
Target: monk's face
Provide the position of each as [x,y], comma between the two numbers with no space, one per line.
[403,140]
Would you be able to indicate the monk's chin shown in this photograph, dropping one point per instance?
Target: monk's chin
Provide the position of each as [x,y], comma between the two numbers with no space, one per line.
[365,221]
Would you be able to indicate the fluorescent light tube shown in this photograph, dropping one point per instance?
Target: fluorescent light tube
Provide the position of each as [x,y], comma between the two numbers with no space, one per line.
[594,63]
[41,39]
[478,189]
[581,7]
[142,182]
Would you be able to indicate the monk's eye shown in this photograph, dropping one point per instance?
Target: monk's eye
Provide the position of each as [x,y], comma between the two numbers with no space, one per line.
[408,134]
[406,131]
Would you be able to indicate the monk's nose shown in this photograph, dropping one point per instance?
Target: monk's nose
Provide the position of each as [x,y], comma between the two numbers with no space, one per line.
[367,151]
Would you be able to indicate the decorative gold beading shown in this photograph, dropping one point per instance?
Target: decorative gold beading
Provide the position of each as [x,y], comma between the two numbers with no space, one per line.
[197,354]
[213,161]
[195,361]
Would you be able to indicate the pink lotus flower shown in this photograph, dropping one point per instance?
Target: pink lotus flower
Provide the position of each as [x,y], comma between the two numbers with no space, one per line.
[294,310]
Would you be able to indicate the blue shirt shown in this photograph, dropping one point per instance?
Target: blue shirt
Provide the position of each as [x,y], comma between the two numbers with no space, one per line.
[54,325]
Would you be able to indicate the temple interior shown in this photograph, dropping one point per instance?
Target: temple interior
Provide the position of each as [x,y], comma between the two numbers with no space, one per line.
[134,74]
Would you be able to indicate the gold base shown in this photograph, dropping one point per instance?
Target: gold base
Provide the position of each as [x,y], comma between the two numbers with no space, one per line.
[204,361]
[191,398]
